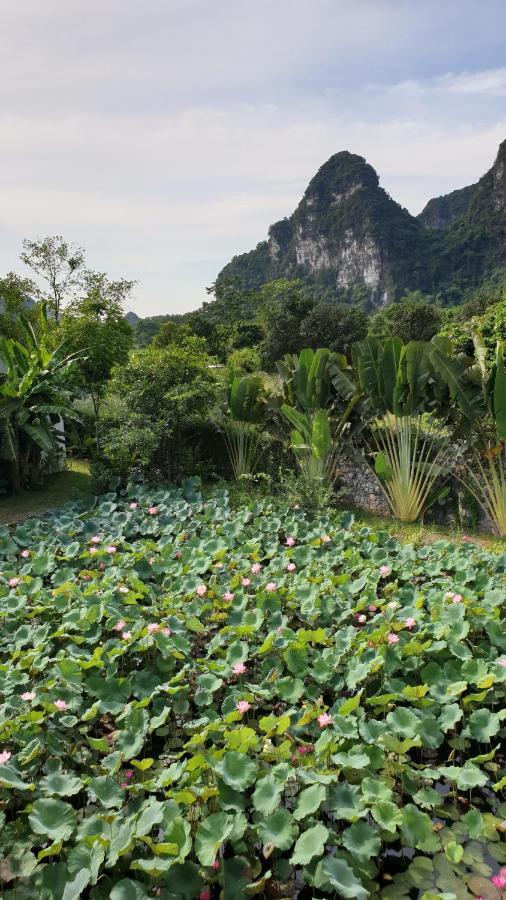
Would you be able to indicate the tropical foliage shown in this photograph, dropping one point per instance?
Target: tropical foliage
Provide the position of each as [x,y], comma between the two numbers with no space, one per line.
[197,702]
[36,392]
[246,397]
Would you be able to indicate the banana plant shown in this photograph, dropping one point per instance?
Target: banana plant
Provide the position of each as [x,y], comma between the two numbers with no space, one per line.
[395,381]
[246,398]
[36,393]
[317,427]
[479,392]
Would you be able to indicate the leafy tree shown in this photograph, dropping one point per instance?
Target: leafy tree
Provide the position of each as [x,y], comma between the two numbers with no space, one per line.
[36,391]
[58,263]
[335,326]
[175,334]
[283,307]
[96,322]
[413,318]
[16,299]
[165,393]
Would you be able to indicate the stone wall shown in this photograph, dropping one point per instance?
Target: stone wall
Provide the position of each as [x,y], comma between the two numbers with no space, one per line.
[358,486]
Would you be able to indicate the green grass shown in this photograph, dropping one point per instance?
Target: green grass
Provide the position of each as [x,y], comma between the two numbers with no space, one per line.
[73,483]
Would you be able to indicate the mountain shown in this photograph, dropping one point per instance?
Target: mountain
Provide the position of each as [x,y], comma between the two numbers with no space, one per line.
[349,239]
[442,211]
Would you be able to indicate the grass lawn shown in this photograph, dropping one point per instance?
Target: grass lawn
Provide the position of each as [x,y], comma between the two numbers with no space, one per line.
[71,484]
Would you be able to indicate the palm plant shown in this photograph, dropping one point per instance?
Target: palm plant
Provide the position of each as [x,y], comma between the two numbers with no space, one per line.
[35,394]
[396,383]
[479,392]
[246,400]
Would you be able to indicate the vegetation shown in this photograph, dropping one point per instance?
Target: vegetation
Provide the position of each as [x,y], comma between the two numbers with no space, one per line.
[201,702]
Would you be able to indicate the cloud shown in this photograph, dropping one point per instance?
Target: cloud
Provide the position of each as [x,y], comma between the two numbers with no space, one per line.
[166,136]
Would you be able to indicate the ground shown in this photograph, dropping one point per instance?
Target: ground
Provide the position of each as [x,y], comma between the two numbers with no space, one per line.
[71,484]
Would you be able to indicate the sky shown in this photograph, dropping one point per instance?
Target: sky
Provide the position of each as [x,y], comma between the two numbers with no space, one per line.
[165,136]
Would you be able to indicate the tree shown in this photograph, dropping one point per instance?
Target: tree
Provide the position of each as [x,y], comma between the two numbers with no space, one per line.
[413,318]
[165,393]
[175,334]
[16,299]
[335,326]
[59,264]
[283,306]
[96,323]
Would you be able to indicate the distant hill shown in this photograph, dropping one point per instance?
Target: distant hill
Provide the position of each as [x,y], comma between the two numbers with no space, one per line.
[347,233]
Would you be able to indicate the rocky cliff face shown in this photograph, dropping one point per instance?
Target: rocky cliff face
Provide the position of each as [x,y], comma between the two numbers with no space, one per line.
[348,233]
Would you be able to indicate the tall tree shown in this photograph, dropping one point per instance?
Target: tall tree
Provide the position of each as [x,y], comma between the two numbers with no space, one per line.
[96,323]
[58,263]
[16,299]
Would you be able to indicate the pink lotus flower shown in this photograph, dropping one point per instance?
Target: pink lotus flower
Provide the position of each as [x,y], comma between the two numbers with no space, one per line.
[205,894]
[499,881]
[123,589]
[166,631]
[362,619]
[502,662]
[153,511]
[28,695]
[291,567]
[325,538]
[245,582]
[457,598]
[306,748]
[133,505]
[120,624]
[393,638]
[372,607]
[410,622]
[215,865]
[111,549]
[25,554]
[86,577]
[124,785]
[61,705]
[129,774]
[92,550]
[101,566]
[95,539]
[126,635]
[5,756]
[201,590]
[238,668]
[152,627]
[385,571]
[228,596]
[270,587]
[290,541]
[324,719]
[13,582]
[256,568]
[242,706]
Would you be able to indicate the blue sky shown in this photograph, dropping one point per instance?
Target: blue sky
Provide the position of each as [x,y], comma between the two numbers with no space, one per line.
[165,136]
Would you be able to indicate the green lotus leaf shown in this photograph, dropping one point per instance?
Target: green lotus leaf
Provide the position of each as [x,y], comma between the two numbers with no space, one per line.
[107,791]
[278,830]
[387,815]
[211,834]
[309,800]
[127,889]
[236,770]
[309,844]
[374,789]
[266,794]
[362,841]
[403,722]
[53,818]
[482,725]
[64,785]
[417,829]
[184,879]
[338,876]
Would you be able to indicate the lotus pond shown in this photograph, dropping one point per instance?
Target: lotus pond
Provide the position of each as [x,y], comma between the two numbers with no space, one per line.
[198,702]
